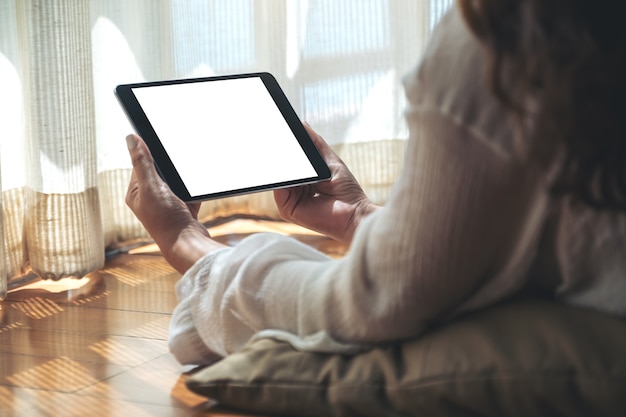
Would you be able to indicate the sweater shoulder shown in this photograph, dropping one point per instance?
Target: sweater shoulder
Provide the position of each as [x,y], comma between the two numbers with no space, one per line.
[451,79]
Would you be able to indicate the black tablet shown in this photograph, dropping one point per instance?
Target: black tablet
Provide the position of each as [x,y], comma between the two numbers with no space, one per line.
[222,136]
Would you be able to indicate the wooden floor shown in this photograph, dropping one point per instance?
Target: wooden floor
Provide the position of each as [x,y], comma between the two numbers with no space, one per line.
[98,346]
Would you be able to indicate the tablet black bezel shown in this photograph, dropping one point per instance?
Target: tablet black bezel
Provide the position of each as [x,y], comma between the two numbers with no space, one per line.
[164,164]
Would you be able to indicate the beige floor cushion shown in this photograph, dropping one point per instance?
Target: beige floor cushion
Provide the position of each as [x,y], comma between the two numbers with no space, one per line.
[524,358]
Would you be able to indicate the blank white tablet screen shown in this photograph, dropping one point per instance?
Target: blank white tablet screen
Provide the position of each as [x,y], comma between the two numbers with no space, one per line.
[224,135]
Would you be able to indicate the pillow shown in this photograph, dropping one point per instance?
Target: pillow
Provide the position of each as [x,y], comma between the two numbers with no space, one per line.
[523,358]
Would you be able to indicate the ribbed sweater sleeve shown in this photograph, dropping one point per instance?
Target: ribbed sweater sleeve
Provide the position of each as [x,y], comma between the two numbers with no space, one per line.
[432,247]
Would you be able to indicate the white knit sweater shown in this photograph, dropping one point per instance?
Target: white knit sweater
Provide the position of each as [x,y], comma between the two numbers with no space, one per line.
[469,223]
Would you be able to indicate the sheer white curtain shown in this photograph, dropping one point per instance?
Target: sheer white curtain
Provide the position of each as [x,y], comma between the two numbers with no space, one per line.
[64,163]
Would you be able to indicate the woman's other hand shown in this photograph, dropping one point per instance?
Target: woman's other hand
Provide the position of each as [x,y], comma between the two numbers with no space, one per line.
[172,224]
[335,207]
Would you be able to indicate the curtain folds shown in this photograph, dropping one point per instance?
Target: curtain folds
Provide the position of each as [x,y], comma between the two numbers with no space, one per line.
[64,163]
[62,210]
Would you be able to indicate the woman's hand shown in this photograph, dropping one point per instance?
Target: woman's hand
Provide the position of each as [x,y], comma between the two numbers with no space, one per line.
[335,207]
[172,224]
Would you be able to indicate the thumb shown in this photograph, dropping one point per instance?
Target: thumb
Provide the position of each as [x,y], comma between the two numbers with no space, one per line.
[143,163]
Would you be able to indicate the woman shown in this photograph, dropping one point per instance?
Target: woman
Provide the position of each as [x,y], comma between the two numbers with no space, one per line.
[507,186]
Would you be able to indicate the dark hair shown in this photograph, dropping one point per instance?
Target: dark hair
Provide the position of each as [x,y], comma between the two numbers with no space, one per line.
[569,55]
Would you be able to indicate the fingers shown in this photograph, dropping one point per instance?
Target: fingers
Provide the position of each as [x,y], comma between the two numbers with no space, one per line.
[317,139]
[143,164]
[325,150]
[143,176]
